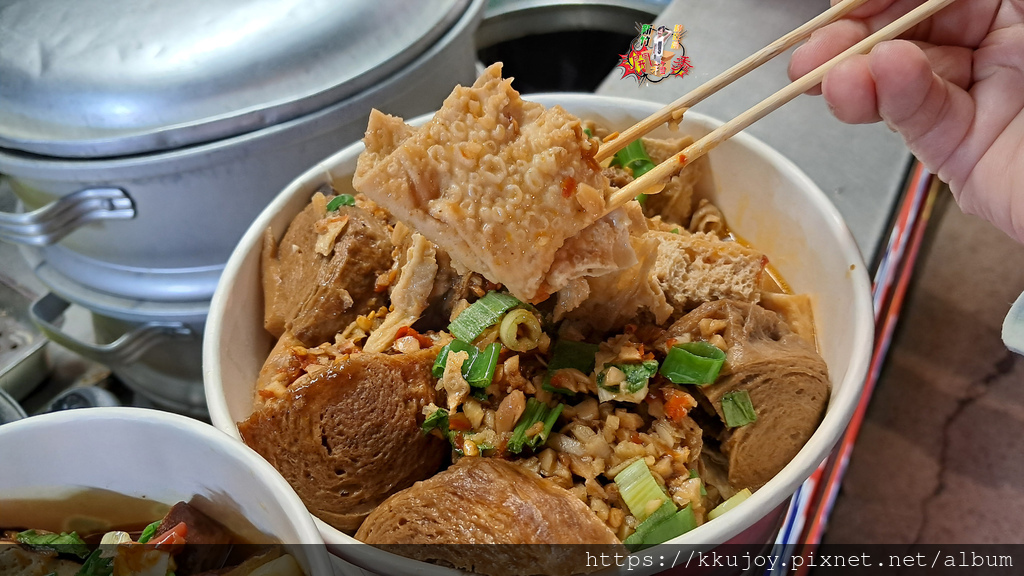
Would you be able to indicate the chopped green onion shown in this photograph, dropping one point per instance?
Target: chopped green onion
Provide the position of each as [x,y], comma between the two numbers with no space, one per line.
[481,315]
[477,369]
[638,538]
[637,375]
[737,409]
[572,354]
[341,200]
[63,543]
[96,565]
[454,346]
[149,532]
[729,504]
[549,423]
[694,474]
[638,487]
[675,230]
[480,394]
[634,157]
[588,132]
[693,363]
[569,354]
[667,509]
[531,415]
[438,419]
[676,525]
[662,526]
[535,411]
[509,330]
[481,371]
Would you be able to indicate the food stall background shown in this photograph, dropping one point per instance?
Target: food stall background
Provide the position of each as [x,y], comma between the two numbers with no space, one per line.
[943,429]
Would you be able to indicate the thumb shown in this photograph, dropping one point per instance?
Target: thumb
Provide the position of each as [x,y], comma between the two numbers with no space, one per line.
[933,115]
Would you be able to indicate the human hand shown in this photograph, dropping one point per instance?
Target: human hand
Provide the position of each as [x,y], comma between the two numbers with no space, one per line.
[953,88]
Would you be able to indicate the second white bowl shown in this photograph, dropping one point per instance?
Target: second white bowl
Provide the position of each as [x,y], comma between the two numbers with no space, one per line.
[163,458]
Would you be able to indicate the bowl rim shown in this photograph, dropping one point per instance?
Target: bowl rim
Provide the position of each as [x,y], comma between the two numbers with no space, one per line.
[781,487]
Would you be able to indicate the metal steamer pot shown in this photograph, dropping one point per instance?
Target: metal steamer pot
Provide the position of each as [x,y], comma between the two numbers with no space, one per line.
[142,138]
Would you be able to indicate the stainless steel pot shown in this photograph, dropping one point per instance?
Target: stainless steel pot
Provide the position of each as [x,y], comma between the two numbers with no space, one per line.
[159,359]
[143,136]
[158,220]
[154,348]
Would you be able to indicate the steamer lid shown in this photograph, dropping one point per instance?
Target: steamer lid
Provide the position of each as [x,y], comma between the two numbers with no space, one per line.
[101,78]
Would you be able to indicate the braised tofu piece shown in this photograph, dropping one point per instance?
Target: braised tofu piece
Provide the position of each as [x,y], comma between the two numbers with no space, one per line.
[696,268]
[497,182]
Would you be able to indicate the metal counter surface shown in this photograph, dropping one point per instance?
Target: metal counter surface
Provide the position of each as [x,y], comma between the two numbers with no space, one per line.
[861,168]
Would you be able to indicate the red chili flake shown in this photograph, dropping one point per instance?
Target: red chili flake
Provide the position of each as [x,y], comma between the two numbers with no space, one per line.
[682,158]
[568,186]
[501,450]
[409,331]
[459,421]
[172,538]
[677,404]
[636,439]
[676,408]
[559,380]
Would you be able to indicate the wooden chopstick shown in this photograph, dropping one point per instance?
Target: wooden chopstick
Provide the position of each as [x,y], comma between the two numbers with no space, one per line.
[650,183]
[675,110]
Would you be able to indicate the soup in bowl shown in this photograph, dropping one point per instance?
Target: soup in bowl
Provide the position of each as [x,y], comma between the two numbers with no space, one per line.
[191,494]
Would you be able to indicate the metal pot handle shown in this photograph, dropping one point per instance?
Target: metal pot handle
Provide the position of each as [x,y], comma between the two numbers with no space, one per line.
[56,220]
[125,350]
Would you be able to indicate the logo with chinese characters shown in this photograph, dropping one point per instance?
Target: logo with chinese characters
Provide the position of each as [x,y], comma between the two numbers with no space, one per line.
[655,54]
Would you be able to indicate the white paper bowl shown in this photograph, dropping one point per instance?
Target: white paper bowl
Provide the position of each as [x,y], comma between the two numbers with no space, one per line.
[765,198]
[160,457]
